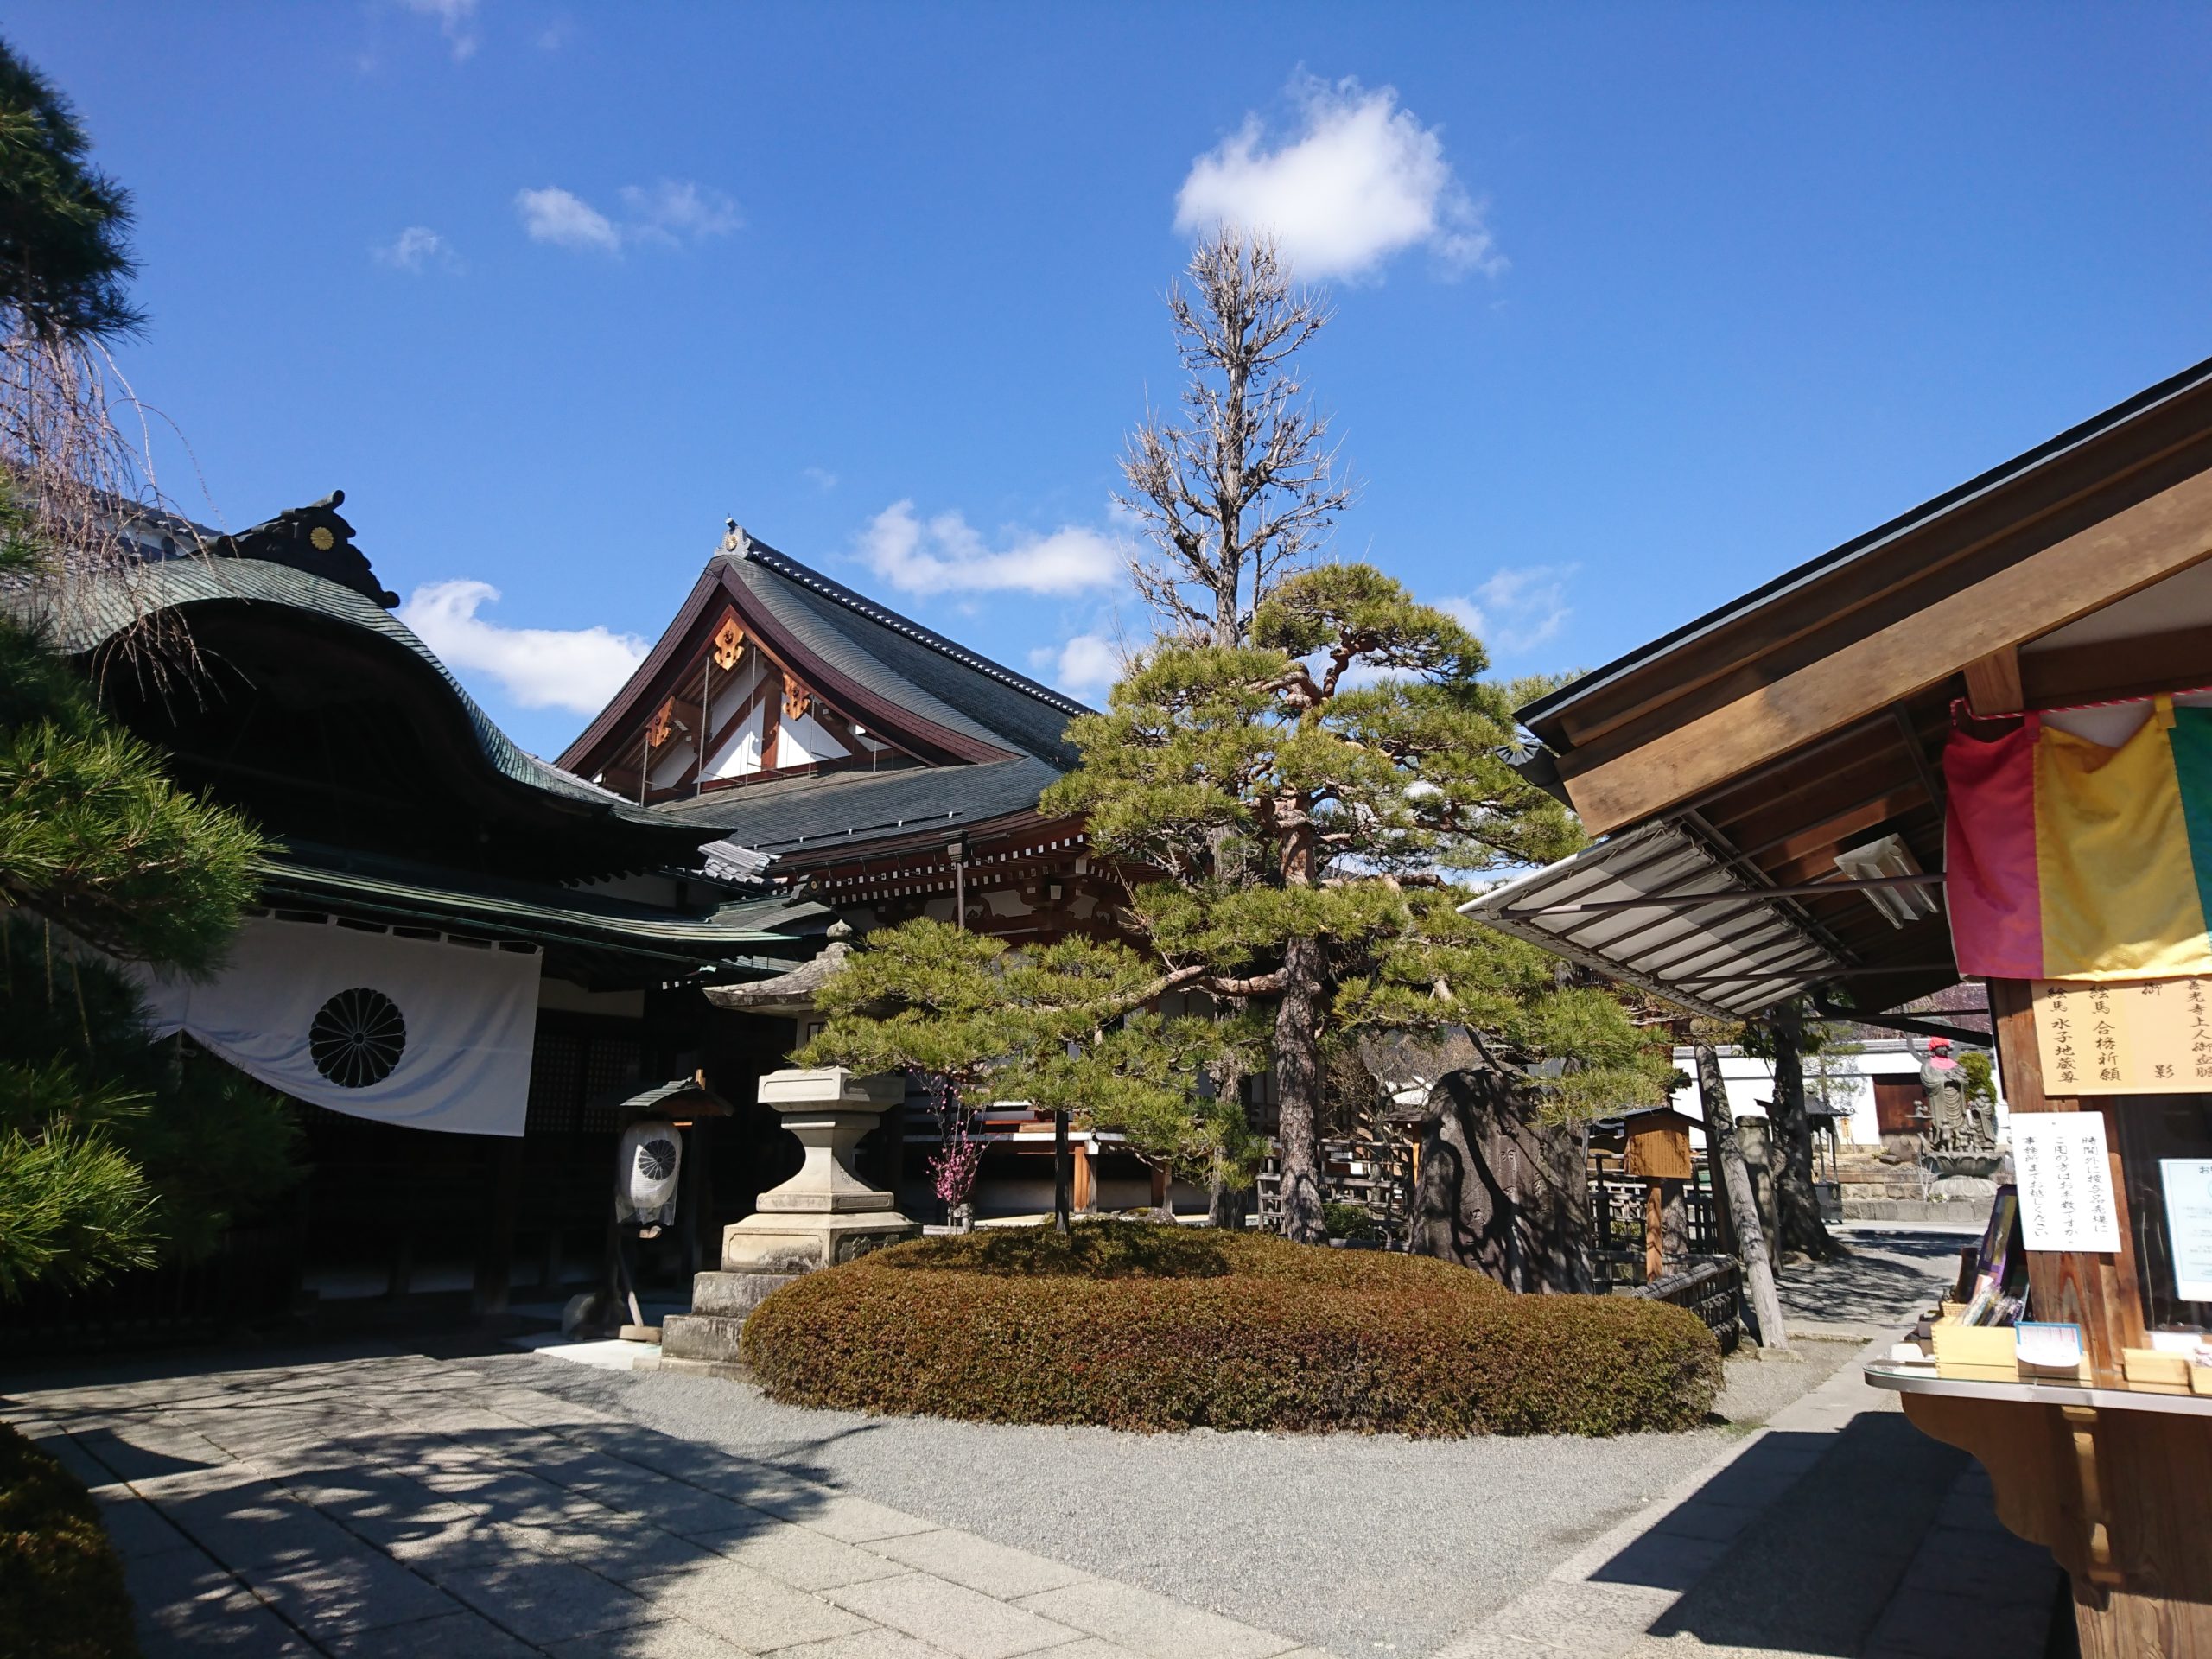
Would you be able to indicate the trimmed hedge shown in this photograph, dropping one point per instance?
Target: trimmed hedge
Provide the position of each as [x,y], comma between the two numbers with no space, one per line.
[61,1592]
[1161,1327]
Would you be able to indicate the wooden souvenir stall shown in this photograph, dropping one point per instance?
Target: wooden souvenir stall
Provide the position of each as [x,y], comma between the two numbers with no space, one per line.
[1973,744]
[2112,1471]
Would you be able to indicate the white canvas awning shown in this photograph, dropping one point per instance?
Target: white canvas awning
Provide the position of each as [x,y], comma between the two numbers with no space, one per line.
[1634,906]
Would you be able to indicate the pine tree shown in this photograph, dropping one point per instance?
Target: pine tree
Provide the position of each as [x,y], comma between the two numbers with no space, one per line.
[113,1151]
[1063,1027]
[1289,819]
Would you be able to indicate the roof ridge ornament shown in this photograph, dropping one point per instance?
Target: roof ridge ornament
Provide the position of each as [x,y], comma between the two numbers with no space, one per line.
[314,538]
[735,543]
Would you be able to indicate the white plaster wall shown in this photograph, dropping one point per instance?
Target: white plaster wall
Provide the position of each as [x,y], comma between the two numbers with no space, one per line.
[1750,1082]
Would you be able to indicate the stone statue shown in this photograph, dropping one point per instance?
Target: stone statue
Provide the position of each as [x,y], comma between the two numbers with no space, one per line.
[1955,1124]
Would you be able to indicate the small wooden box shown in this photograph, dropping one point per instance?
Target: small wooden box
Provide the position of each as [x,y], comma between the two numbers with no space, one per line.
[1986,1352]
[2148,1368]
[1990,1353]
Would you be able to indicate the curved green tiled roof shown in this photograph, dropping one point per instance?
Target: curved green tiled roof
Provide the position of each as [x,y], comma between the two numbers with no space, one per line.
[93,615]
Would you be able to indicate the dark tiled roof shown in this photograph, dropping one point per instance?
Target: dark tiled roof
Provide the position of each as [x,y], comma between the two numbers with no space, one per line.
[92,613]
[797,816]
[906,663]
[403,890]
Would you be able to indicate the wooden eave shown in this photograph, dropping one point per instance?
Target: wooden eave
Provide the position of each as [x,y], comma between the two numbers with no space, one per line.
[672,670]
[1890,619]
[1809,718]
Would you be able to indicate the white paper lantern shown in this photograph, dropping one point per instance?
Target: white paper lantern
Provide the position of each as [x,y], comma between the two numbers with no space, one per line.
[646,1168]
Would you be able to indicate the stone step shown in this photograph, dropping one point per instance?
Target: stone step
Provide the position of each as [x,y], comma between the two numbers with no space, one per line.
[733,1296]
[701,1335]
[730,1370]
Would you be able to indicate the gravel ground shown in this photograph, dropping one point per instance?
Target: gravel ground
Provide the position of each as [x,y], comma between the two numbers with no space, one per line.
[1358,1544]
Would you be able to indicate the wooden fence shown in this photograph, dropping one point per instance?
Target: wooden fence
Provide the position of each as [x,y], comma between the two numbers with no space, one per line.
[1711,1289]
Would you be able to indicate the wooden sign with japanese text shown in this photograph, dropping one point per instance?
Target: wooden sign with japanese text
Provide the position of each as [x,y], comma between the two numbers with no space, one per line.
[2126,1037]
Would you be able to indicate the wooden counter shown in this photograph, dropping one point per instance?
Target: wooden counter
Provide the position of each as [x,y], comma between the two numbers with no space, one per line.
[2116,1482]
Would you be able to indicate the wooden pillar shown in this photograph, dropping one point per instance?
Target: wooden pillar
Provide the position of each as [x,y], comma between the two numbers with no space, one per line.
[2096,1290]
[1159,1188]
[1086,1195]
[1655,1231]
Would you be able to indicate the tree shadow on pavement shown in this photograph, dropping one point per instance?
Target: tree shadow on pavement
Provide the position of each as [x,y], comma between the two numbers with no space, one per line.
[332,1505]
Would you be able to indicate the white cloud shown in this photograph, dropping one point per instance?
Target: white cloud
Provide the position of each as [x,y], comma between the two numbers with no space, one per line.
[1085,667]
[456,21]
[1517,609]
[566,220]
[577,669]
[1360,180]
[945,555]
[415,249]
[821,477]
[670,213]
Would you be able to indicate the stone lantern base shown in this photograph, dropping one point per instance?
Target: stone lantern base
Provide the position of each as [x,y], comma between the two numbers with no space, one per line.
[822,1215]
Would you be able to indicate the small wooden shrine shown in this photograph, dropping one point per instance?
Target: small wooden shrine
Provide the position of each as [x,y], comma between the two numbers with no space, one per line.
[1853,784]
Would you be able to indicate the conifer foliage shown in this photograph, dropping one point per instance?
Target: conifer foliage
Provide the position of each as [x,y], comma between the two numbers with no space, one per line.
[1291,818]
[113,1150]
[1289,785]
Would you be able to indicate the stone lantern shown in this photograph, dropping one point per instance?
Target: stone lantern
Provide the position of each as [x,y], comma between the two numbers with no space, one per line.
[823,1215]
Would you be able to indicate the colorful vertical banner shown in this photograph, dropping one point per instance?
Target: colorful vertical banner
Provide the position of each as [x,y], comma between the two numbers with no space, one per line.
[2068,859]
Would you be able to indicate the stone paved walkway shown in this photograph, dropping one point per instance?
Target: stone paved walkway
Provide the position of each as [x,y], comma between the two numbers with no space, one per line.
[1887,1280]
[392,1504]
[1839,1530]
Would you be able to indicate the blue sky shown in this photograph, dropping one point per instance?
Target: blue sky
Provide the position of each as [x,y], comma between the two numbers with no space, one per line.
[1636,306]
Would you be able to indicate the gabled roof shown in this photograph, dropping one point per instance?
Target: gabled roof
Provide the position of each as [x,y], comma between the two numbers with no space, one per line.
[971,740]
[1807,719]
[1952,562]
[940,701]
[2077,460]
[898,657]
[802,817]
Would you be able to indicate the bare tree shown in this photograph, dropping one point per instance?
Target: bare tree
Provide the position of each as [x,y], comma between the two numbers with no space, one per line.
[75,449]
[1245,486]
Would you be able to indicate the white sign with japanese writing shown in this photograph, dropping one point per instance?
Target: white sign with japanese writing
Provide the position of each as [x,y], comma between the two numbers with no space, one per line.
[2065,1179]
[2188,1183]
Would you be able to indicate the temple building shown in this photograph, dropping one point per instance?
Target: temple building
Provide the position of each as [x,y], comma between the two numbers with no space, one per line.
[838,749]
[471,967]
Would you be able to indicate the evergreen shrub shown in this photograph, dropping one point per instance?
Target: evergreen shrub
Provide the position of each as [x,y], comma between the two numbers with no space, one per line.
[1154,1327]
[1351,1221]
[62,1593]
